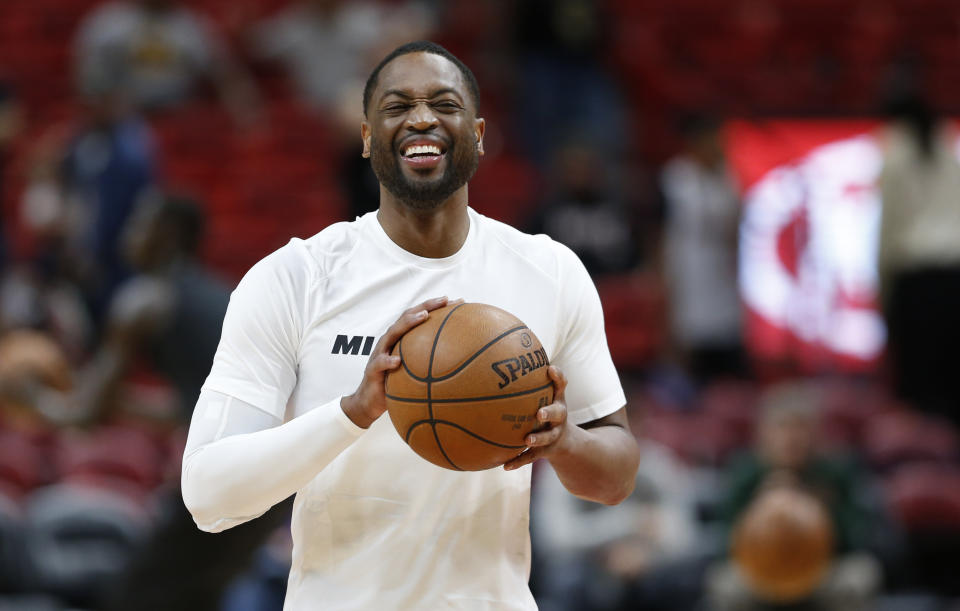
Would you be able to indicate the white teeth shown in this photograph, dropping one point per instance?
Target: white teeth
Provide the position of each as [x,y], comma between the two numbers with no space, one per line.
[421,149]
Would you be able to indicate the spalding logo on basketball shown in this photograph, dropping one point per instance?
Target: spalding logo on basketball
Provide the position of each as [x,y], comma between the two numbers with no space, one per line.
[471,381]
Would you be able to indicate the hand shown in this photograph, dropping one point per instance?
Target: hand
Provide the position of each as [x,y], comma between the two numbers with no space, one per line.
[550,437]
[369,401]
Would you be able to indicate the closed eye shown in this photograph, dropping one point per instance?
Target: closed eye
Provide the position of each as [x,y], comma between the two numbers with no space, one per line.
[447,106]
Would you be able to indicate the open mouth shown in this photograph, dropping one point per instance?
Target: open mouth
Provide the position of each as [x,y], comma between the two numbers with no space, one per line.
[422,155]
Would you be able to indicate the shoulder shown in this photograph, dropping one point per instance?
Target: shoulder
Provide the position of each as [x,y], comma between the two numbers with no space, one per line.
[539,252]
[305,261]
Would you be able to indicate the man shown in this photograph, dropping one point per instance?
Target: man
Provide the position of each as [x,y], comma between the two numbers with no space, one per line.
[375,526]
[700,253]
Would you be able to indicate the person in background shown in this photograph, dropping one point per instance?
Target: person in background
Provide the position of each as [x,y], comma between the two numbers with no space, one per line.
[160,53]
[84,182]
[562,50]
[168,314]
[700,253]
[612,558]
[327,48]
[919,255]
[786,454]
[587,211]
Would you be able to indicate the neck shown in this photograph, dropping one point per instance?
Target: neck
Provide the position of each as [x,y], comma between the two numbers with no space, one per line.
[435,233]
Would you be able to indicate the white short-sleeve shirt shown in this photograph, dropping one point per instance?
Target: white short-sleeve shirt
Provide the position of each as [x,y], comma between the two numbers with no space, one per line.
[380,527]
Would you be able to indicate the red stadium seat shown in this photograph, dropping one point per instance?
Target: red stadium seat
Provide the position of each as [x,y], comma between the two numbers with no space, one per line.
[505,188]
[733,403]
[22,465]
[897,437]
[634,316]
[697,437]
[926,497]
[117,458]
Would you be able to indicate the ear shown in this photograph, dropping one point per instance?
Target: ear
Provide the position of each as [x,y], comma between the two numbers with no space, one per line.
[479,126]
[365,137]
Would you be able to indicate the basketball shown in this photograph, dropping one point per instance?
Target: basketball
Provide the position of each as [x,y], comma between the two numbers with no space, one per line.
[471,380]
[783,544]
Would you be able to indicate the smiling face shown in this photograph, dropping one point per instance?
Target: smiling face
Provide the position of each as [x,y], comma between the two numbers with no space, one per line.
[422,134]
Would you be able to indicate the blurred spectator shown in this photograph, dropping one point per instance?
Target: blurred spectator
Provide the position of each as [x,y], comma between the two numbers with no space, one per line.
[83,188]
[786,455]
[563,81]
[328,48]
[169,313]
[30,361]
[700,253]
[158,53]
[587,211]
[919,255]
[623,557]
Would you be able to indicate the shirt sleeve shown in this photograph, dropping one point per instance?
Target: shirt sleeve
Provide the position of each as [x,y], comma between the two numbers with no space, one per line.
[258,355]
[593,386]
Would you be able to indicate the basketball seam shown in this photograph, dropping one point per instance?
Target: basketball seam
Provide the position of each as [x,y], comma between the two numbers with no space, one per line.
[519,393]
[463,365]
[433,422]
[433,351]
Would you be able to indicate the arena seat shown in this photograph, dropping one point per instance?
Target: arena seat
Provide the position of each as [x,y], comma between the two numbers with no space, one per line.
[897,437]
[79,539]
[505,188]
[13,576]
[846,408]
[22,466]
[30,602]
[634,317]
[926,496]
[116,458]
[734,403]
[698,438]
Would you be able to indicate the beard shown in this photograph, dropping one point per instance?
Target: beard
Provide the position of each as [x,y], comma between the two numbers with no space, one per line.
[427,194]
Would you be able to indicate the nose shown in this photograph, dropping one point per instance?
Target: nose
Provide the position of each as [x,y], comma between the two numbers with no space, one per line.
[421,118]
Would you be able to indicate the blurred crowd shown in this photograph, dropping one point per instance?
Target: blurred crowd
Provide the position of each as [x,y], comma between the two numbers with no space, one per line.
[152,150]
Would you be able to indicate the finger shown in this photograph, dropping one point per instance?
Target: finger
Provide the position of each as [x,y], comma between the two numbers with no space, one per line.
[555,413]
[432,304]
[559,382]
[543,438]
[525,458]
[383,362]
[408,320]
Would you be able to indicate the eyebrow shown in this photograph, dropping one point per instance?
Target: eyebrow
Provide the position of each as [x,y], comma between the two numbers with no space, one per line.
[435,93]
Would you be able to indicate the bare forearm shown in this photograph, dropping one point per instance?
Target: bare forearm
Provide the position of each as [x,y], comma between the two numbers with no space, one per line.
[598,464]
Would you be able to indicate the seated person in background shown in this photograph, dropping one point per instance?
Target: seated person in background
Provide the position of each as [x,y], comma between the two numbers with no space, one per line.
[169,313]
[326,49]
[786,461]
[587,209]
[624,557]
[160,53]
[84,181]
